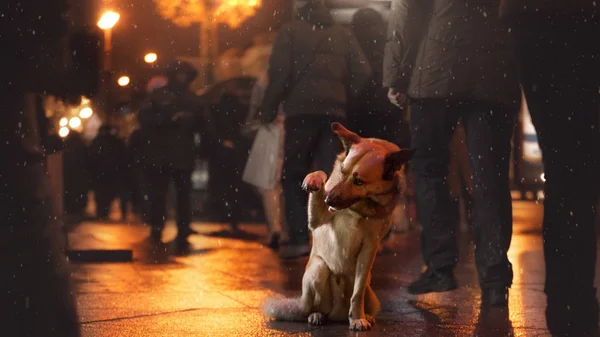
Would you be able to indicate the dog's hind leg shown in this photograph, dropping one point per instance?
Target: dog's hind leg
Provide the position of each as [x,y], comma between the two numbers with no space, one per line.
[316,292]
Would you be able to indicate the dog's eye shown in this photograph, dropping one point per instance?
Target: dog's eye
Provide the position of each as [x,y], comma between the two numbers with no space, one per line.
[358,182]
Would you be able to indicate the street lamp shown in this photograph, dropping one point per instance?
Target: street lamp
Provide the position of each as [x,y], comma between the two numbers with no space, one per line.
[63,132]
[150,58]
[86,113]
[209,13]
[123,81]
[107,21]
[74,122]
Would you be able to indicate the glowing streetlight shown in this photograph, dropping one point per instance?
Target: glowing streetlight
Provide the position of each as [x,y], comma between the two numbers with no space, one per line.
[75,122]
[123,81]
[63,132]
[108,20]
[86,113]
[63,122]
[150,58]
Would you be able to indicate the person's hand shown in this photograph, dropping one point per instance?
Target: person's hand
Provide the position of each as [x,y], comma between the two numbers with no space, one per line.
[397,98]
[279,121]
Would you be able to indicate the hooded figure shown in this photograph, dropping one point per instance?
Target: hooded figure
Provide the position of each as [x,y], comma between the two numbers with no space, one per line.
[314,65]
[168,120]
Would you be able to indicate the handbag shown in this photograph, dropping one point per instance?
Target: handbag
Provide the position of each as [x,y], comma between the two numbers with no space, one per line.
[261,167]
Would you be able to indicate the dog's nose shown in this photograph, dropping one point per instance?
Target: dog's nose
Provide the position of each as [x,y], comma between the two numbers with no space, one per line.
[328,201]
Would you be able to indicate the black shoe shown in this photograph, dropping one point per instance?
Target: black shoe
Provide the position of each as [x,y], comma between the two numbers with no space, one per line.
[494,297]
[273,241]
[432,281]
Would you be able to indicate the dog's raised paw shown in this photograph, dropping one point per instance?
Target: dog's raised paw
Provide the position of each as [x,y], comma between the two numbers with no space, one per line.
[370,319]
[316,318]
[360,325]
[314,181]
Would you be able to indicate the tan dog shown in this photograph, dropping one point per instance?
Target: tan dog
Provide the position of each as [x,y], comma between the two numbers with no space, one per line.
[349,214]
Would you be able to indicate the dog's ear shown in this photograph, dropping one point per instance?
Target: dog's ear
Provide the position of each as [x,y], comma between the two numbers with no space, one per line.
[347,137]
[394,161]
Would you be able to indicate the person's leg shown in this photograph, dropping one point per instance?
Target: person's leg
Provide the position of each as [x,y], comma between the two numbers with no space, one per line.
[328,145]
[489,127]
[559,73]
[272,209]
[301,136]
[102,196]
[156,183]
[433,122]
[182,179]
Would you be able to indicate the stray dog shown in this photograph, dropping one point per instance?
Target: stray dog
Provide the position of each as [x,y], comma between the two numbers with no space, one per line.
[348,215]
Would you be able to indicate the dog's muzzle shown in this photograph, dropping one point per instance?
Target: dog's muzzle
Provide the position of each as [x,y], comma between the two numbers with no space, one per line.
[336,204]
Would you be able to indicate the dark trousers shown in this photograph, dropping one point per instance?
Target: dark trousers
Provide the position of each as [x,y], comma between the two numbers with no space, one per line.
[488,128]
[308,141]
[226,167]
[105,192]
[156,185]
[560,75]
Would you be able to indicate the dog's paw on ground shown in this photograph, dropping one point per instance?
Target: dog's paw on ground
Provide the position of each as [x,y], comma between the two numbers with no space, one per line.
[314,181]
[360,325]
[370,319]
[316,318]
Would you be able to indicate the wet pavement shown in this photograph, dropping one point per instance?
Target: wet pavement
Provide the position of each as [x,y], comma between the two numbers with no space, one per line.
[217,288]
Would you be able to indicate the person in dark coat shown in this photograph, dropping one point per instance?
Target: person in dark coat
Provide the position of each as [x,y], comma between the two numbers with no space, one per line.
[228,159]
[371,114]
[557,55]
[106,156]
[75,174]
[168,120]
[314,65]
[453,60]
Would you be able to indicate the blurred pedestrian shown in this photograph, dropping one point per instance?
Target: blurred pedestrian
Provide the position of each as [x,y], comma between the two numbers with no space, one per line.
[272,198]
[227,160]
[451,58]
[106,163]
[134,158]
[371,114]
[76,179]
[168,120]
[560,76]
[314,64]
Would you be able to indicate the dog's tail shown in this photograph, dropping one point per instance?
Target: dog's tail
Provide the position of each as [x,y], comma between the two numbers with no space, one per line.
[284,309]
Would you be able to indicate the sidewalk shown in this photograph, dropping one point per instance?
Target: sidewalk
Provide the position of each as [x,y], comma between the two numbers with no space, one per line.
[217,289]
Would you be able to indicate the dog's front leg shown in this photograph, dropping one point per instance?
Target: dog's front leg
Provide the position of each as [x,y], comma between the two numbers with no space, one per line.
[366,257]
[318,214]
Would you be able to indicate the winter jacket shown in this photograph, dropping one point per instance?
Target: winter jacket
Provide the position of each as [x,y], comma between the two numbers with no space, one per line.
[313,66]
[450,49]
[168,120]
[511,8]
